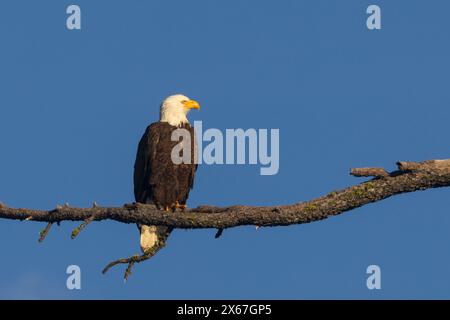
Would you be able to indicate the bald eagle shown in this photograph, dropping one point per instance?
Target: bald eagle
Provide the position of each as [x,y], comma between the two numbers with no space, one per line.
[157,179]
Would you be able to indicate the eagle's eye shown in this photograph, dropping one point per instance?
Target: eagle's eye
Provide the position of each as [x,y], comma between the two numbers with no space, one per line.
[183,101]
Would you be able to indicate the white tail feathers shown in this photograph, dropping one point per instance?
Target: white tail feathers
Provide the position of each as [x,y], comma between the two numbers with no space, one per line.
[149,237]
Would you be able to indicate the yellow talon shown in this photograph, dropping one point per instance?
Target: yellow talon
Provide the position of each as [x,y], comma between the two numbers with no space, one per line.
[177,205]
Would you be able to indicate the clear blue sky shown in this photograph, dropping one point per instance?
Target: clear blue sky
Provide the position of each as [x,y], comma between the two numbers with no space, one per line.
[74,104]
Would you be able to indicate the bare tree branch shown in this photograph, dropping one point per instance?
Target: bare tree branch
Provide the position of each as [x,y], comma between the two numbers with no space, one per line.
[411,176]
[426,175]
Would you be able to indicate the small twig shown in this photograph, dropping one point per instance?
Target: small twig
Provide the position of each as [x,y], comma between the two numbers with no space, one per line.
[83,225]
[218,233]
[45,232]
[369,172]
[128,271]
[134,259]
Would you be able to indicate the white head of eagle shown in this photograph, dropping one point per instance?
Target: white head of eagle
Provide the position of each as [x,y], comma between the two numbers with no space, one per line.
[175,108]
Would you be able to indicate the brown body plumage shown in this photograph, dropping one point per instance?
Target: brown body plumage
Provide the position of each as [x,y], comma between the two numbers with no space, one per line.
[157,180]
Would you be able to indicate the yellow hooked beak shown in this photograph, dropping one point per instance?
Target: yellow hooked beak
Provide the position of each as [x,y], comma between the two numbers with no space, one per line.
[191,104]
